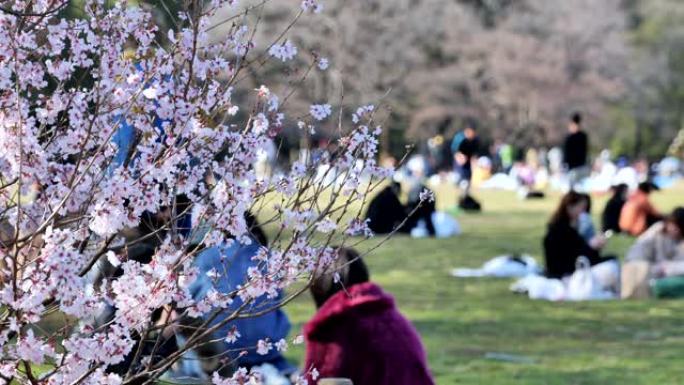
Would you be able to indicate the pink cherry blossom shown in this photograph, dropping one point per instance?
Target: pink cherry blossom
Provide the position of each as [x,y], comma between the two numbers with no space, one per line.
[361,112]
[232,336]
[121,134]
[323,63]
[314,6]
[427,195]
[320,111]
[263,347]
[285,51]
[314,374]
[326,225]
[298,340]
[31,349]
[281,345]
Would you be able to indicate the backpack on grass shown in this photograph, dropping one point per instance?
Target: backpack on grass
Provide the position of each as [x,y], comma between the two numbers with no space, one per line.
[468,203]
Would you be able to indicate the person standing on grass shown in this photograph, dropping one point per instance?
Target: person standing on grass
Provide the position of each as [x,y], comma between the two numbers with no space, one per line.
[575,151]
[358,332]
[466,148]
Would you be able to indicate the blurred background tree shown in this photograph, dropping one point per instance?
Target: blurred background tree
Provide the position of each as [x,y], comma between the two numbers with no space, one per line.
[518,67]
[656,84]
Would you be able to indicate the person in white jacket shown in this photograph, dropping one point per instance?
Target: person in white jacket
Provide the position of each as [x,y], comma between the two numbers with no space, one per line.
[657,253]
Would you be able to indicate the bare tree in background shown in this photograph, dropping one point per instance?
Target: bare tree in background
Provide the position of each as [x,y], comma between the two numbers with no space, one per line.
[513,65]
[553,57]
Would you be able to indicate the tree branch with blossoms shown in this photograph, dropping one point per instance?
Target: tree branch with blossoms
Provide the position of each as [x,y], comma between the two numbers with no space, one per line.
[124,159]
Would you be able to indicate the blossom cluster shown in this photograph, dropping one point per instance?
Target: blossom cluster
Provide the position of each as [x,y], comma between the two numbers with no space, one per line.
[110,141]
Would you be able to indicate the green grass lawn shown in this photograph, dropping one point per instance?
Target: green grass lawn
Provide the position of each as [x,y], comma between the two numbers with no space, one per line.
[462,320]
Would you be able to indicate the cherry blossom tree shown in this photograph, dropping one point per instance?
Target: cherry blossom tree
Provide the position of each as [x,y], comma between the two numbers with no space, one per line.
[117,135]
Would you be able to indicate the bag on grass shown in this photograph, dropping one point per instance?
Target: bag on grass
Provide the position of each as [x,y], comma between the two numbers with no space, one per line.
[468,203]
[670,287]
[420,231]
[538,287]
[583,285]
[607,274]
[511,266]
[502,266]
[445,225]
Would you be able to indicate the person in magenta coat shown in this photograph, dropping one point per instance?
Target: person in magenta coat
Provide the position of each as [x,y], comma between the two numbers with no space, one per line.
[358,332]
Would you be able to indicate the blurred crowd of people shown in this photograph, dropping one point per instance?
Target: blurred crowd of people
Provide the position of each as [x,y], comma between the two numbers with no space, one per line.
[655,258]
[466,161]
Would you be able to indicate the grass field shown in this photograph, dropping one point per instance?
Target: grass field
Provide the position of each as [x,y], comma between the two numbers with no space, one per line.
[462,320]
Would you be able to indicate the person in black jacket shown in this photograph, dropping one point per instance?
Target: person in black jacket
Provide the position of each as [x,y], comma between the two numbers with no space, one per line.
[575,150]
[417,210]
[611,213]
[387,214]
[385,211]
[466,152]
[563,244]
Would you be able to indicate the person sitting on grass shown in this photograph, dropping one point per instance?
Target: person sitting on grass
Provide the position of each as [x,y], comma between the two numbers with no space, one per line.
[418,211]
[611,213]
[223,269]
[358,332]
[585,223]
[563,244]
[657,253]
[385,212]
[638,213]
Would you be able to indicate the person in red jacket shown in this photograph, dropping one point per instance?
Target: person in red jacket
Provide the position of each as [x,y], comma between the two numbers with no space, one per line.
[358,332]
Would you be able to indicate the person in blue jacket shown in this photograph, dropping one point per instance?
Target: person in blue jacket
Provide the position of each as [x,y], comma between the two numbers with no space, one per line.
[231,262]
